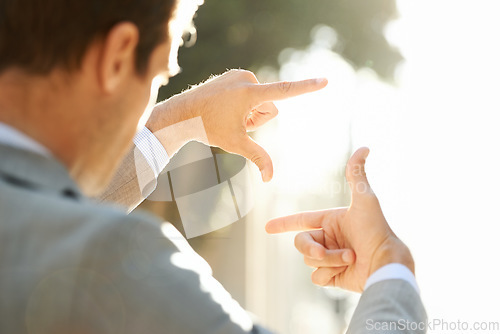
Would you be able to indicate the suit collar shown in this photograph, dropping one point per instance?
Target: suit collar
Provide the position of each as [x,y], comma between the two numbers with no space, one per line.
[37,172]
[12,137]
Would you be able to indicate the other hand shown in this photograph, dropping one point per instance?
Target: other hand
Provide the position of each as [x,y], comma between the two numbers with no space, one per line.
[361,228]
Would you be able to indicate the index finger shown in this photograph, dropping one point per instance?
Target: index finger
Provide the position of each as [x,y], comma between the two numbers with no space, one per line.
[311,220]
[286,89]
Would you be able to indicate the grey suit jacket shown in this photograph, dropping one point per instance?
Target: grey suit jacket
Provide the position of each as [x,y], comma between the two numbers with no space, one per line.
[71,265]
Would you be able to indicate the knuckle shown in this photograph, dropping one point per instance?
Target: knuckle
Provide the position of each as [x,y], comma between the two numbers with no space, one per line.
[250,76]
[302,222]
[358,170]
[258,160]
[245,75]
[242,90]
[332,259]
[246,89]
[285,86]
[233,71]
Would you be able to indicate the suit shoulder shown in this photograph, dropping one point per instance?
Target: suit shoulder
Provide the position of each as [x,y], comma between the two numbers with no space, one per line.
[80,219]
[115,223]
[114,213]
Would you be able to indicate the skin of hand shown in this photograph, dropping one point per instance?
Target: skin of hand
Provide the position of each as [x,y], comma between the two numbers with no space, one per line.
[346,245]
[230,105]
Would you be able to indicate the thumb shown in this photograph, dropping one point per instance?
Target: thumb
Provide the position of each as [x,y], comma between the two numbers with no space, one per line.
[355,173]
[256,154]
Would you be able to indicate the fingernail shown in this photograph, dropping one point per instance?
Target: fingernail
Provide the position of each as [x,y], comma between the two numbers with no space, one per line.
[265,176]
[346,256]
[267,228]
[320,81]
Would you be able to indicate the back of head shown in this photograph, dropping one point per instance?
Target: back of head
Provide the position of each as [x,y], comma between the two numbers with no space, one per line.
[38,36]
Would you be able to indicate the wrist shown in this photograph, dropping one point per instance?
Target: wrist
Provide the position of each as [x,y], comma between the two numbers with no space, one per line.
[167,113]
[392,250]
[175,124]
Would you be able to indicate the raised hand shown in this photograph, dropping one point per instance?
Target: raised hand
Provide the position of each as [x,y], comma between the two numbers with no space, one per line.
[230,105]
[333,235]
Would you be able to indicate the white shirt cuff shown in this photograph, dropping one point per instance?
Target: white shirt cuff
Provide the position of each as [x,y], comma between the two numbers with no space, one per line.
[153,151]
[392,271]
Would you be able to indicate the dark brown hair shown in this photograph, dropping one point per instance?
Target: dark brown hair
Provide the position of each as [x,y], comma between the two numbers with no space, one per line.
[40,35]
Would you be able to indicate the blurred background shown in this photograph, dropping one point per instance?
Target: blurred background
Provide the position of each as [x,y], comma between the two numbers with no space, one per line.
[417,82]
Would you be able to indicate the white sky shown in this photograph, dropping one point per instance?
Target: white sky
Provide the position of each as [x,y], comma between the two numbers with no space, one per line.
[434,139]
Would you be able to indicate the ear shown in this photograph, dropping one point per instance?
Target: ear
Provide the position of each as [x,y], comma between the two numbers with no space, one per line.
[117,58]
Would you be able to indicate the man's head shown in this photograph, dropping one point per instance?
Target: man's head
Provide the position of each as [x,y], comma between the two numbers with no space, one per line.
[76,75]
[40,35]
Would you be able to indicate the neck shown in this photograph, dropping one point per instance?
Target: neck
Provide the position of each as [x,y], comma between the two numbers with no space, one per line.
[37,106]
[48,110]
